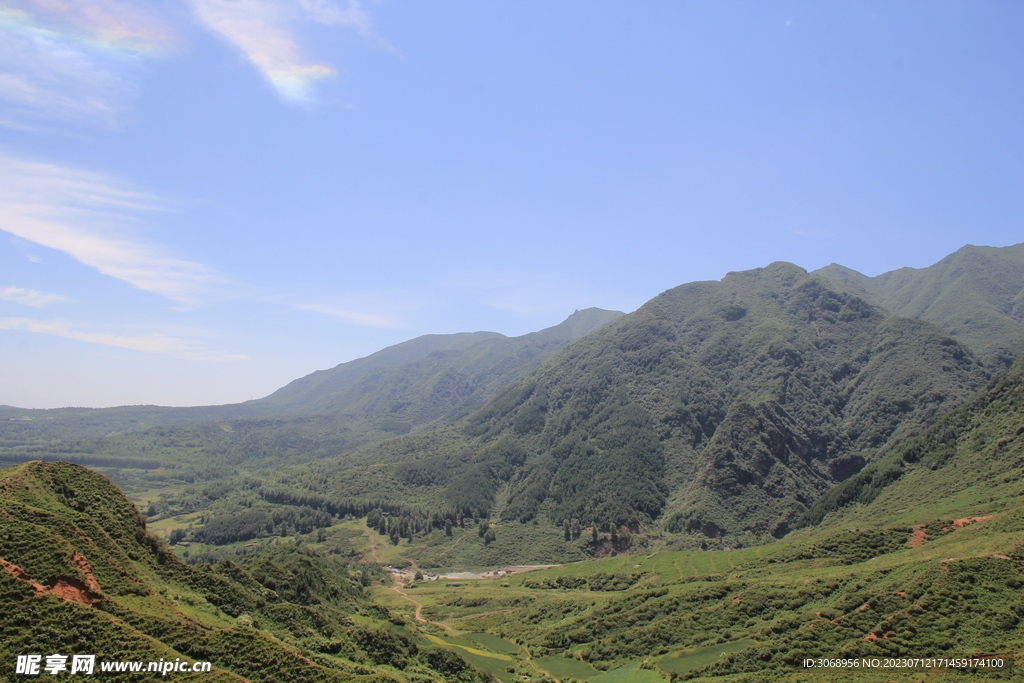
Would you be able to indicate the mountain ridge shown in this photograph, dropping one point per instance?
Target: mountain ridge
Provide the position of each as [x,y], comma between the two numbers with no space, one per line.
[481,350]
[975,293]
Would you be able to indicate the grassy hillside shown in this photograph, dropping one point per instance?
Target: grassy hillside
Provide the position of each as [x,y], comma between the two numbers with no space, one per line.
[81,575]
[756,614]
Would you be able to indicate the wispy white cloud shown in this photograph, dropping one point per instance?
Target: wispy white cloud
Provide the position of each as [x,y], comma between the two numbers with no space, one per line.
[153,342]
[354,317]
[73,59]
[89,217]
[30,297]
[264,31]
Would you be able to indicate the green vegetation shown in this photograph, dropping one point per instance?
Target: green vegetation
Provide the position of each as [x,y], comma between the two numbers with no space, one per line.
[718,411]
[974,452]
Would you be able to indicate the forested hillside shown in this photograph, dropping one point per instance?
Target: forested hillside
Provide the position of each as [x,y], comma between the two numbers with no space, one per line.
[717,411]
[845,481]
[927,565]
[721,409]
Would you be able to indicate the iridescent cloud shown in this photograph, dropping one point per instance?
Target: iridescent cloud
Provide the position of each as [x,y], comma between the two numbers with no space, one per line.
[113,24]
[262,30]
[64,59]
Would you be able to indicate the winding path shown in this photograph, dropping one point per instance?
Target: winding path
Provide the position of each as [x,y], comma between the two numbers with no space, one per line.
[418,615]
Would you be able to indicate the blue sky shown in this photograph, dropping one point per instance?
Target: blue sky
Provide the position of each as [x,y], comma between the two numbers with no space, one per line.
[201,200]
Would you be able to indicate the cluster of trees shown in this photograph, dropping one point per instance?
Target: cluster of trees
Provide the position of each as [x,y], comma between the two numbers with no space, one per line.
[258,522]
[409,522]
[602,581]
[486,532]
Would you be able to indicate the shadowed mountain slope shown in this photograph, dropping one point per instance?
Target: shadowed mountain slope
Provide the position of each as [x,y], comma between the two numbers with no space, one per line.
[971,461]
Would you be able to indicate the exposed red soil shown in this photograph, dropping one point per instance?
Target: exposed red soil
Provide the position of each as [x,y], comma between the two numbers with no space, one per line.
[20,574]
[960,523]
[999,556]
[86,569]
[69,588]
[919,535]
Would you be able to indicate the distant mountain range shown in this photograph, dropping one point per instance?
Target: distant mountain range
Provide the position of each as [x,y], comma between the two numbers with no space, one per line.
[849,450]
[398,388]
[718,410]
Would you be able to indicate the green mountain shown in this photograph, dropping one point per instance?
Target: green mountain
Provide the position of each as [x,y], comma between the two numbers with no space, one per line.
[79,574]
[719,409]
[403,386]
[976,294]
[928,566]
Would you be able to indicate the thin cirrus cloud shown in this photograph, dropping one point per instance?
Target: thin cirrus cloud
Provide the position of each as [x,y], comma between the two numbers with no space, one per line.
[354,317]
[89,217]
[73,59]
[263,31]
[30,297]
[153,342]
